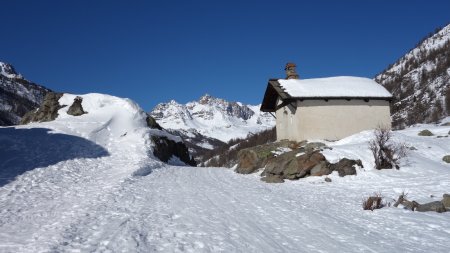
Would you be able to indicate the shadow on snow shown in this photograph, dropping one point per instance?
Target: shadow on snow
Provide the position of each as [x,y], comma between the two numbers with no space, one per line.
[22,150]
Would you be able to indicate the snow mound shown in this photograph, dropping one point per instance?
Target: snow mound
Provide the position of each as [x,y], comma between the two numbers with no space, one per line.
[107,116]
[341,86]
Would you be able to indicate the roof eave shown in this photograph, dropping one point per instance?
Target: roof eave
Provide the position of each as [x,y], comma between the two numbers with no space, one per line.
[273,91]
[344,98]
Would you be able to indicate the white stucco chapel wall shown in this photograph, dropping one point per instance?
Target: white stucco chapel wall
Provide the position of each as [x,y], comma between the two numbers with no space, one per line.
[330,120]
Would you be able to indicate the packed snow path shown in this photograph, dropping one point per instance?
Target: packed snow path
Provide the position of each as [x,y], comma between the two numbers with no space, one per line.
[182,209]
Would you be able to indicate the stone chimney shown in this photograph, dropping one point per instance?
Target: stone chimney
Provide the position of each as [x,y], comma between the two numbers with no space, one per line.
[291,73]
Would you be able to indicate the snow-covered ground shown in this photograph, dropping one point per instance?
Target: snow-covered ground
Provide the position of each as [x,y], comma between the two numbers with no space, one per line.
[94,188]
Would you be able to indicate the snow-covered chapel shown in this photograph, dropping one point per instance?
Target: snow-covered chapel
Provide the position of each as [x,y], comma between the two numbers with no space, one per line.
[325,108]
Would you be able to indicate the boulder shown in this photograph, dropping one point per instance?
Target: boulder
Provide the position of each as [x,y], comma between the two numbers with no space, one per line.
[248,162]
[435,206]
[165,148]
[446,201]
[252,159]
[425,132]
[48,110]
[321,169]
[446,158]
[76,109]
[272,179]
[291,166]
[151,122]
[328,180]
[346,167]
[310,147]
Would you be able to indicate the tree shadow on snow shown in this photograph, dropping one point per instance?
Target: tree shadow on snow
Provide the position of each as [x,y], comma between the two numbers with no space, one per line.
[22,150]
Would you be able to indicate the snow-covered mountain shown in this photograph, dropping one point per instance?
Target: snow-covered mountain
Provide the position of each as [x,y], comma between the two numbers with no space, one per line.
[17,95]
[213,117]
[210,121]
[420,81]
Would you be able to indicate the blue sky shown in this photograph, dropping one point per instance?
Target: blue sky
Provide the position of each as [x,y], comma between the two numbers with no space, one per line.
[154,51]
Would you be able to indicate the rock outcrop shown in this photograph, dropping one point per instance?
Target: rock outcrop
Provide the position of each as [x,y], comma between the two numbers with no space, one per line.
[290,166]
[151,122]
[165,149]
[252,159]
[298,160]
[346,167]
[76,109]
[48,110]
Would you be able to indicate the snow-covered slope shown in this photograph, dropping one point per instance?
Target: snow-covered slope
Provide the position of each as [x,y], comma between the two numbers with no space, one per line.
[213,117]
[101,197]
[17,95]
[420,81]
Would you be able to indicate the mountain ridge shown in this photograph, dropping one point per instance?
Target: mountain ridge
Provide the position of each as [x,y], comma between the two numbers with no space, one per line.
[420,81]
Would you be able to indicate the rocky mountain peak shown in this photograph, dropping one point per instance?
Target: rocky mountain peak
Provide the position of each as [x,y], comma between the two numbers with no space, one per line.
[205,99]
[8,71]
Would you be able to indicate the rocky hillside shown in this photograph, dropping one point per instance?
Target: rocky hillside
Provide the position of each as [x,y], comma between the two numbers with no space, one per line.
[420,81]
[17,95]
[210,122]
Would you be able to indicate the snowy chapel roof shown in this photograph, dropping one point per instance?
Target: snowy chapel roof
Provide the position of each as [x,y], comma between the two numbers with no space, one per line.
[341,87]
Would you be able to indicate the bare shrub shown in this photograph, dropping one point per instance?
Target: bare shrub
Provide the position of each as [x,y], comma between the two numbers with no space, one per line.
[373,202]
[387,153]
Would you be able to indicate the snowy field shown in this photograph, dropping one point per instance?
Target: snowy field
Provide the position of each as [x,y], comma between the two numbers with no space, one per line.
[80,184]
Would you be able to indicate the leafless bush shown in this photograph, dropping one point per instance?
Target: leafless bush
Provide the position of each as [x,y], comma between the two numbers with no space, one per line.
[387,153]
[373,202]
